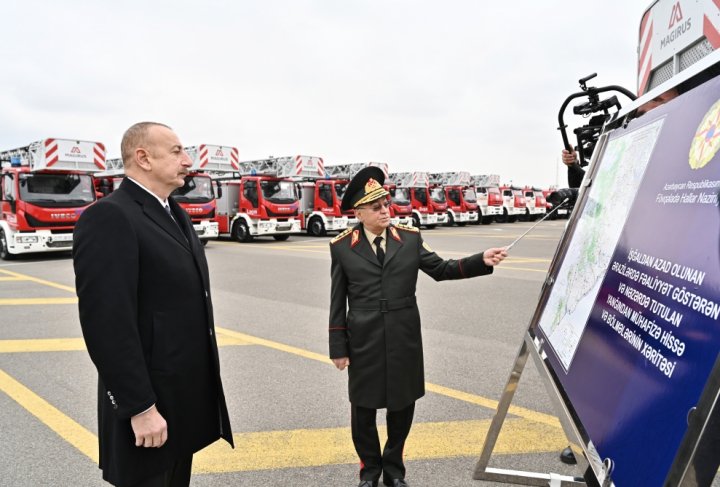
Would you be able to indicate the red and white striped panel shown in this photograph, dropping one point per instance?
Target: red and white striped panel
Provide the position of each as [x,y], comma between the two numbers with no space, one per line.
[99,155]
[51,152]
[234,158]
[711,24]
[320,167]
[645,56]
[203,151]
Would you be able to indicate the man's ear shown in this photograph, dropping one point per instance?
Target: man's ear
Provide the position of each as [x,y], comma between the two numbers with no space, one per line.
[142,158]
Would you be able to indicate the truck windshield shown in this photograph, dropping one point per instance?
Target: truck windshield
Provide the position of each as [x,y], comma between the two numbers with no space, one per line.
[282,192]
[340,190]
[421,195]
[197,189]
[438,195]
[470,195]
[401,196]
[57,190]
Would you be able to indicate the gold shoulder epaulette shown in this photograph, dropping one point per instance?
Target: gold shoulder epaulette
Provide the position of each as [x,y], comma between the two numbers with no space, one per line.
[407,228]
[341,236]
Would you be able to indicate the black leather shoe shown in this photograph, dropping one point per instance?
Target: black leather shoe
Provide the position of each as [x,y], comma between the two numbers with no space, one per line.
[567,456]
[368,483]
[397,483]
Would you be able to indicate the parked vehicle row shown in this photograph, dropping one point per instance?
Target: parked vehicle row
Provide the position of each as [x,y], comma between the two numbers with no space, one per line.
[46,186]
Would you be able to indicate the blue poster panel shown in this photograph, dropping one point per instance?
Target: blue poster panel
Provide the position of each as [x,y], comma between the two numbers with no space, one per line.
[631,322]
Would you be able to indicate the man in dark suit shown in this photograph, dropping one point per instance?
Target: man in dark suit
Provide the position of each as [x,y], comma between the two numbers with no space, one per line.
[146,316]
[375,324]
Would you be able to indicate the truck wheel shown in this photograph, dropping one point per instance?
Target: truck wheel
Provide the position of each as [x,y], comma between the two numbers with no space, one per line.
[281,238]
[502,218]
[486,220]
[4,252]
[430,227]
[316,228]
[450,220]
[242,232]
[512,219]
[416,221]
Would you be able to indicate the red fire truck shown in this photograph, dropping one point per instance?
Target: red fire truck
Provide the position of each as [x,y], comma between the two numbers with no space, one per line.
[418,186]
[45,187]
[321,193]
[260,199]
[490,201]
[400,210]
[460,196]
[514,204]
[536,206]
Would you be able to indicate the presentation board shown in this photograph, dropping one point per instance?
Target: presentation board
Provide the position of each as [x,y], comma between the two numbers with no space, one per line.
[629,320]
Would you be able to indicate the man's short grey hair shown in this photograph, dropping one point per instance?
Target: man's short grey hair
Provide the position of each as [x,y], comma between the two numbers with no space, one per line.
[134,137]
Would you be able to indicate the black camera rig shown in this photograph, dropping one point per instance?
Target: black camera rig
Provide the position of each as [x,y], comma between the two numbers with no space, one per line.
[598,110]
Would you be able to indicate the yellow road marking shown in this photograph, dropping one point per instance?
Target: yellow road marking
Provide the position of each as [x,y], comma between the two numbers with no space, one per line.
[437,389]
[76,344]
[39,281]
[56,420]
[12,279]
[310,447]
[269,450]
[36,301]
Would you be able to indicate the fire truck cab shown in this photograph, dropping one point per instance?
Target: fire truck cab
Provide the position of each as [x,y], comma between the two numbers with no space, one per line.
[44,188]
[400,207]
[260,199]
[320,197]
[514,204]
[418,186]
[536,206]
[460,197]
[490,201]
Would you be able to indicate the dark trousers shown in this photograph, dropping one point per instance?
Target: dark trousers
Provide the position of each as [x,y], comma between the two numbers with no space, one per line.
[367,443]
[176,476]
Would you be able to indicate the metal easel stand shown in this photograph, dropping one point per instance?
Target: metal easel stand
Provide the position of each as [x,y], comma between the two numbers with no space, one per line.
[482,471]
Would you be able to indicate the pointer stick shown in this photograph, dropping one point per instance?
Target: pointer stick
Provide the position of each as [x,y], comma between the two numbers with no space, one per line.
[528,230]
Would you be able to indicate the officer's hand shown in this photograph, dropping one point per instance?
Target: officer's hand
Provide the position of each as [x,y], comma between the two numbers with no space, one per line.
[341,363]
[569,157]
[494,256]
[150,428]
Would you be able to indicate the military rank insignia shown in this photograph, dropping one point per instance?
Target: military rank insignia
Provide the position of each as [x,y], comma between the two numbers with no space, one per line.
[355,238]
[394,234]
[341,236]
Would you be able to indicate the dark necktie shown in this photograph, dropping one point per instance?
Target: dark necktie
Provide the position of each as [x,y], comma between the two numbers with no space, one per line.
[380,251]
[170,214]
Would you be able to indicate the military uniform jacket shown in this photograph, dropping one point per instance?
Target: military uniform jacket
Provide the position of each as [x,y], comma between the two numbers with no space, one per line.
[374,318]
[146,316]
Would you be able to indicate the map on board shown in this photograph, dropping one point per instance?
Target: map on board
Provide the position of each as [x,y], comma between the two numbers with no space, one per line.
[595,237]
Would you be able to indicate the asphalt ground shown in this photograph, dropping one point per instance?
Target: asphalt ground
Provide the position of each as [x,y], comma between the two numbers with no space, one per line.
[288,404]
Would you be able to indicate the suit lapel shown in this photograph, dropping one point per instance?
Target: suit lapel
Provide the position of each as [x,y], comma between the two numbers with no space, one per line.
[362,247]
[155,212]
[393,244]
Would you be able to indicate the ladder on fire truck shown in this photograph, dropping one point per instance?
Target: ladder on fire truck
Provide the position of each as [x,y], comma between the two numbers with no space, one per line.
[453,178]
[295,167]
[417,179]
[348,171]
[486,180]
[57,154]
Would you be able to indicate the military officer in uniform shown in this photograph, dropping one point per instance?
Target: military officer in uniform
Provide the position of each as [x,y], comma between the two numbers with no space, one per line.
[375,324]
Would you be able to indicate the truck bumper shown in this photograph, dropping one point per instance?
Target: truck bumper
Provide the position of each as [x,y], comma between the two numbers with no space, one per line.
[336,223]
[274,227]
[402,220]
[39,241]
[206,229]
[441,218]
[429,219]
[493,210]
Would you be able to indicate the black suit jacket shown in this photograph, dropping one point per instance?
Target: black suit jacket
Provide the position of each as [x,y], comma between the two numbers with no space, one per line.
[146,316]
[374,319]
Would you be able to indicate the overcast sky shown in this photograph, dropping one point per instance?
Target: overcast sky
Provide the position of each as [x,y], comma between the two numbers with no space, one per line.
[467,85]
